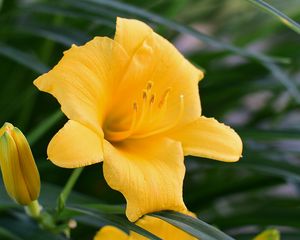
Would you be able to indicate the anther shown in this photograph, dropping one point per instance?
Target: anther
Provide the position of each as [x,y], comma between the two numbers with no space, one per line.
[168,126]
[144,95]
[152,99]
[164,97]
[149,85]
[135,107]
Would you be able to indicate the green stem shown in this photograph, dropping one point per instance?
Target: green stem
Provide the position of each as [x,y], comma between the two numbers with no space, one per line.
[63,197]
[33,209]
[41,129]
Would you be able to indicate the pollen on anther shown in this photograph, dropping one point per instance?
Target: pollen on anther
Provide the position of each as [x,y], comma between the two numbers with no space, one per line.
[144,94]
[135,107]
[152,98]
[149,85]
[164,97]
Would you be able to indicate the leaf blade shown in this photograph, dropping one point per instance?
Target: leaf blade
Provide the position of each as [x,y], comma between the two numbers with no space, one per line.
[278,14]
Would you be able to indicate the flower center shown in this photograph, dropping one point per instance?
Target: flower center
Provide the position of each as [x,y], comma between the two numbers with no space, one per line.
[148,110]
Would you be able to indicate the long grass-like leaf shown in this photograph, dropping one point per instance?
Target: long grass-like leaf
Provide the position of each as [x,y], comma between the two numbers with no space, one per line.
[194,226]
[126,8]
[275,168]
[44,127]
[278,14]
[22,58]
[270,135]
[65,36]
[117,221]
[7,235]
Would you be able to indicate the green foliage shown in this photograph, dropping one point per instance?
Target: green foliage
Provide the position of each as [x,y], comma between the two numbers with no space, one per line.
[252,64]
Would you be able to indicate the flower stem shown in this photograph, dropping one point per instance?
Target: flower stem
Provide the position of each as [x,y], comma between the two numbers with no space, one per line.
[63,197]
[33,209]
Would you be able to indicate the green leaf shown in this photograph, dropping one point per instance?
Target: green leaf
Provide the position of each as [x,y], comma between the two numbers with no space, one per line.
[127,8]
[66,12]
[284,80]
[63,196]
[7,235]
[193,226]
[115,220]
[105,208]
[40,130]
[278,14]
[22,58]
[257,161]
[270,135]
[65,36]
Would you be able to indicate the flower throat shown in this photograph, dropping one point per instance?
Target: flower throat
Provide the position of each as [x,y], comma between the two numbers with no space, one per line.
[151,109]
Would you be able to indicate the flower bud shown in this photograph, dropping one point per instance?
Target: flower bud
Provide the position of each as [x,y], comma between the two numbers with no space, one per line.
[19,172]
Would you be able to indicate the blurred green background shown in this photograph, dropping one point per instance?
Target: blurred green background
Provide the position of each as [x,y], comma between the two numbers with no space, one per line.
[252,65]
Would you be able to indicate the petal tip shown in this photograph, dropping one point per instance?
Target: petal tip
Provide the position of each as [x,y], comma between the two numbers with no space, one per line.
[201,75]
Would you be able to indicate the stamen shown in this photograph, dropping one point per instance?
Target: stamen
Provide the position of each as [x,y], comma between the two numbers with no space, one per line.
[152,99]
[135,107]
[144,95]
[164,98]
[151,105]
[149,85]
[144,109]
[167,127]
[163,104]
[143,115]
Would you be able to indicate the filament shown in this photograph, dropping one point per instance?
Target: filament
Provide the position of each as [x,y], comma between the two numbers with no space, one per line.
[149,112]
[168,126]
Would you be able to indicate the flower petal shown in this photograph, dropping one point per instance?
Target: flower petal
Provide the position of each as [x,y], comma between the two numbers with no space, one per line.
[131,33]
[111,233]
[155,60]
[84,79]
[149,173]
[160,228]
[206,137]
[75,146]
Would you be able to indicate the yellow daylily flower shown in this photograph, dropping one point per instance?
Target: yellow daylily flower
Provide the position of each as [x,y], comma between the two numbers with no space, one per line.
[156,226]
[133,103]
[19,172]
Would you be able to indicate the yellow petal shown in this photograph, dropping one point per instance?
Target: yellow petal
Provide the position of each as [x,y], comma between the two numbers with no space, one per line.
[149,173]
[131,33]
[111,233]
[7,127]
[84,79]
[161,229]
[75,146]
[154,61]
[27,164]
[206,137]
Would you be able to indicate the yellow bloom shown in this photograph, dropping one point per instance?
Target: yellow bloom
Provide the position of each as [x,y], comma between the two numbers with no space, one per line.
[156,226]
[133,103]
[20,174]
